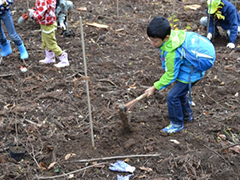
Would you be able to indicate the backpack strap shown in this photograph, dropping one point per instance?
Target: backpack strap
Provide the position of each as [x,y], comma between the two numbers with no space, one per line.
[191,67]
[190,85]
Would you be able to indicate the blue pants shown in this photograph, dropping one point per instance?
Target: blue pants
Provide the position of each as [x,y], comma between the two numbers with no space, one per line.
[178,105]
[6,18]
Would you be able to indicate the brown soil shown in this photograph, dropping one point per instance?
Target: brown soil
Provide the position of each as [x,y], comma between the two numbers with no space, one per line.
[52,112]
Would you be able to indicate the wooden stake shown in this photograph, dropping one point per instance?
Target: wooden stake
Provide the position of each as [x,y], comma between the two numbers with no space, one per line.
[117,8]
[87,88]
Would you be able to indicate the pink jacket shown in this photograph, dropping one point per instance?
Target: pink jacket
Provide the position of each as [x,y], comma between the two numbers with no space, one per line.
[45,12]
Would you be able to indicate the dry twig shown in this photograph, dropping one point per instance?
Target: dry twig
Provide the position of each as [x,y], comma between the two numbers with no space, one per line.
[117,157]
[65,174]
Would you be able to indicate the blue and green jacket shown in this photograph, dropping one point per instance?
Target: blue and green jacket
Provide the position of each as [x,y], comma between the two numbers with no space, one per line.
[4,8]
[176,68]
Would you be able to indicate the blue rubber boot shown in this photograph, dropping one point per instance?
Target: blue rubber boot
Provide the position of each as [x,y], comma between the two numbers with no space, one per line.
[23,52]
[6,49]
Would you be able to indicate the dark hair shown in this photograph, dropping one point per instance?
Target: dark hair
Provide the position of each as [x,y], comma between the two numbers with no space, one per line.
[159,27]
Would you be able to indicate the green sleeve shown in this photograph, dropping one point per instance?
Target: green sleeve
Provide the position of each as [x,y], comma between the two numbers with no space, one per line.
[170,74]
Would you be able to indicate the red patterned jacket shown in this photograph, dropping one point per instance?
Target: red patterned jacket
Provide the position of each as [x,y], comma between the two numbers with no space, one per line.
[45,12]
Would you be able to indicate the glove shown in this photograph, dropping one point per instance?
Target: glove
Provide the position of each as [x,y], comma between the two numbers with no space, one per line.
[30,13]
[121,166]
[209,36]
[62,25]
[231,45]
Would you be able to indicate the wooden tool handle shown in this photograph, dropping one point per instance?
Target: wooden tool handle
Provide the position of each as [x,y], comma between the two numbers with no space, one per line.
[133,102]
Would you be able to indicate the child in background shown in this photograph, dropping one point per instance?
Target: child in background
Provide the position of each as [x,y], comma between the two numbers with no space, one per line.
[63,7]
[224,14]
[177,69]
[6,18]
[44,14]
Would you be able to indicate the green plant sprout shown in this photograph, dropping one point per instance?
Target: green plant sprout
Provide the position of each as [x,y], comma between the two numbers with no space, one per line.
[173,20]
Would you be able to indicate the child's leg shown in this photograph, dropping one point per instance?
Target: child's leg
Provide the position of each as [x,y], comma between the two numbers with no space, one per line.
[3,38]
[176,96]
[4,43]
[175,108]
[50,42]
[187,111]
[8,22]
[49,54]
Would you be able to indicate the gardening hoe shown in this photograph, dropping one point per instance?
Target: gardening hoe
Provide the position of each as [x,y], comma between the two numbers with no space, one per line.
[123,109]
[23,18]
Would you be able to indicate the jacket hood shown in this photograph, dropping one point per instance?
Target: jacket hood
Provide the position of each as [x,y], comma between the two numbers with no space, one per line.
[176,39]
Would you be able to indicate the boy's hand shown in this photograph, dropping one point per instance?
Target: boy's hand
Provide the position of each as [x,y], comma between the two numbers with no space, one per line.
[62,26]
[30,13]
[231,45]
[209,36]
[150,91]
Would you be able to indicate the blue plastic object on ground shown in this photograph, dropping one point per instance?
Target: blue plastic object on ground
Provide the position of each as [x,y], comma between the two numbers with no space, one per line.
[121,166]
[119,177]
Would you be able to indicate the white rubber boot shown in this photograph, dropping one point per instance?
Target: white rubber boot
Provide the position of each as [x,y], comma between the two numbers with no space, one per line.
[50,58]
[63,61]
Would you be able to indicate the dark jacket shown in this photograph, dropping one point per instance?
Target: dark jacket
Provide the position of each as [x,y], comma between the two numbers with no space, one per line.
[6,7]
[231,21]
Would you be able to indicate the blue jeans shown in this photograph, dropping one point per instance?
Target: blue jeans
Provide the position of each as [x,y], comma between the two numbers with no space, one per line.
[6,18]
[178,105]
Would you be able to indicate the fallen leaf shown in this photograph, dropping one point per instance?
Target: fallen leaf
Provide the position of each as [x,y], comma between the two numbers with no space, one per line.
[146,169]
[206,113]
[126,160]
[175,141]
[230,68]
[233,107]
[69,155]
[192,7]
[235,149]
[7,106]
[222,137]
[118,30]
[222,83]
[142,176]
[42,166]
[132,86]
[71,176]
[51,165]
[98,25]
[82,9]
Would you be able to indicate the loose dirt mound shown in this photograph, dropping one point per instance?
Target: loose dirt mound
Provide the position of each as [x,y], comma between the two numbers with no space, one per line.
[50,106]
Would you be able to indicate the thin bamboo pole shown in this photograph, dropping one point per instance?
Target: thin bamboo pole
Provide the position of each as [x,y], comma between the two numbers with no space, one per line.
[87,88]
[27,5]
[117,8]
[208,18]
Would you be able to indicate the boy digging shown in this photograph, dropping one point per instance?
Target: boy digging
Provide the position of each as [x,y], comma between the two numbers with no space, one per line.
[177,69]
